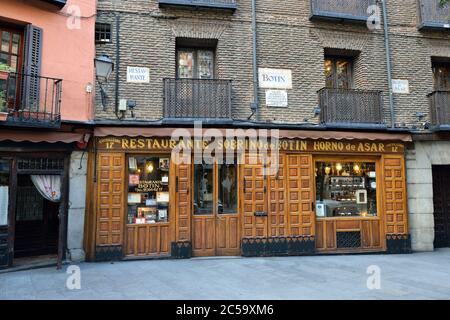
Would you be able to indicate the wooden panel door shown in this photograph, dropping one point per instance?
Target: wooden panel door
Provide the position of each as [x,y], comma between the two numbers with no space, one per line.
[278,224]
[227,235]
[204,237]
[395,195]
[300,194]
[182,200]
[255,200]
[441,199]
[110,212]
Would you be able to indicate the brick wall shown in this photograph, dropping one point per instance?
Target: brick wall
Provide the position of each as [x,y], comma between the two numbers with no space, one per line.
[286,39]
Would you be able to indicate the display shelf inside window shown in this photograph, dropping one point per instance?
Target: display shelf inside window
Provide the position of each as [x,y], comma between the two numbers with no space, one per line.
[346,189]
[148,190]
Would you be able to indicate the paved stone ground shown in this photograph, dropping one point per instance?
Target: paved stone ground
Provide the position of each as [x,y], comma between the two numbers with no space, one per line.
[415,276]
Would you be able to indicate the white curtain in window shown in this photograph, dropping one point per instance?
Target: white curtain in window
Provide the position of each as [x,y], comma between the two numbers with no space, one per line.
[49,186]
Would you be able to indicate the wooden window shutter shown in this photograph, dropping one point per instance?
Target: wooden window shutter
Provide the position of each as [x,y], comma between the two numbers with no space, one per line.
[32,68]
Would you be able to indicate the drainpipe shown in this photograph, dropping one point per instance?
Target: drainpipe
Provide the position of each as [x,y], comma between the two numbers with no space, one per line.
[388,62]
[117,67]
[255,103]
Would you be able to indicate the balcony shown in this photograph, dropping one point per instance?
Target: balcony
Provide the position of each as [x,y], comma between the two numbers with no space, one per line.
[440,109]
[230,5]
[341,10]
[346,108]
[197,99]
[433,16]
[30,101]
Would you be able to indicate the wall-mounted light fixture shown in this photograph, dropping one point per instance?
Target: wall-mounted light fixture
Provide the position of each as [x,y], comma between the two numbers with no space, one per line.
[103,69]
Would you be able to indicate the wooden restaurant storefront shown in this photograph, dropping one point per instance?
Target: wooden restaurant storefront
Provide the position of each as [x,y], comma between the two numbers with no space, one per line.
[333,192]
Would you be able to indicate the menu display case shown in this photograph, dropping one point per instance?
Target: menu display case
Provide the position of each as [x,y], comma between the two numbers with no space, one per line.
[148,190]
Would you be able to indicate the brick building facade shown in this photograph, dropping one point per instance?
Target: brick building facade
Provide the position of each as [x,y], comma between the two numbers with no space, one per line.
[291,35]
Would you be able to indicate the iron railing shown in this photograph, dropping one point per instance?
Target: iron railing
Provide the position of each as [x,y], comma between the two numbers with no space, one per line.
[433,15]
[216,4]
[197,98]
[440,108]
[31,100]
[353,10]
[351,107]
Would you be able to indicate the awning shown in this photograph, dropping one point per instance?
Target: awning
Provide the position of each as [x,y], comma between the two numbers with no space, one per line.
[36,136]
[283,134]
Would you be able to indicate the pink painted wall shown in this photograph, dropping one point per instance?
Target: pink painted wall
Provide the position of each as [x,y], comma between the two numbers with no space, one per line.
[68,49]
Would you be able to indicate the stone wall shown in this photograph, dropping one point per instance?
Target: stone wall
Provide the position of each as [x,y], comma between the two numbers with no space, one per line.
[419,164]
[77,206]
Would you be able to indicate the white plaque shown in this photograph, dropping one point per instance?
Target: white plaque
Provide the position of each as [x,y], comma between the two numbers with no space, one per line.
[138,75]
[400,86]
[276,98]
[275,78]
[3,205]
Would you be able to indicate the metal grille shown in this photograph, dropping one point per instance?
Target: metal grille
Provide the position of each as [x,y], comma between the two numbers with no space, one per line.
[44,164]
[345,106]
[440,107]
[348,239]
[432,14]
[197,98]
[352,9]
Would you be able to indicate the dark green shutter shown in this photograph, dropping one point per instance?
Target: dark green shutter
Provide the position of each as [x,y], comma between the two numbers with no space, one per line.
[32,68]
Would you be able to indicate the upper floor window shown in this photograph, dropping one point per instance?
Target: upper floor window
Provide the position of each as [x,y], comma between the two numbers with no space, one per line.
[196,58]
[102,33]
[338,72]
[441,73]
[11,50]
[195,63]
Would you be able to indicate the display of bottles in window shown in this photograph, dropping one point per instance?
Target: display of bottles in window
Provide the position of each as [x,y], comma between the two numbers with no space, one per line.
[346,189]
[148,190]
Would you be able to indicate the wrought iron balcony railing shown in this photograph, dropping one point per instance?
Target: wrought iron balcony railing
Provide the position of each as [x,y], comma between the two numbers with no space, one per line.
[351,108]
[213,4]
[30,101]
[197,99]
[440,109]
[344,10]
[433,15]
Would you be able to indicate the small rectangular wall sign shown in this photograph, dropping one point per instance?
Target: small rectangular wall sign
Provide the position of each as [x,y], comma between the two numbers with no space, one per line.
[138,75]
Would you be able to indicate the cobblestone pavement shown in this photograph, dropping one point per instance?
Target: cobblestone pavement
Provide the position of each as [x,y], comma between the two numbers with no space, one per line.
[414,276]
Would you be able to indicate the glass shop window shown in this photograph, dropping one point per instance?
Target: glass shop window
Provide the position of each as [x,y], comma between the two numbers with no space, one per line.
[148,190]
[203,189]
[228,188]
[346,189]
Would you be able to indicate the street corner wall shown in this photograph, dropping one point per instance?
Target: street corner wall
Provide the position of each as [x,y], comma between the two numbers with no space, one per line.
[77,205]
[419,162]
[68,47]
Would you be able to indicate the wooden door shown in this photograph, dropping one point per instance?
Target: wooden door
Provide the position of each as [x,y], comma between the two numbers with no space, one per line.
[203,213]
[301,195]
[278,222]
[215,228]
[441,199]
[254,210]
